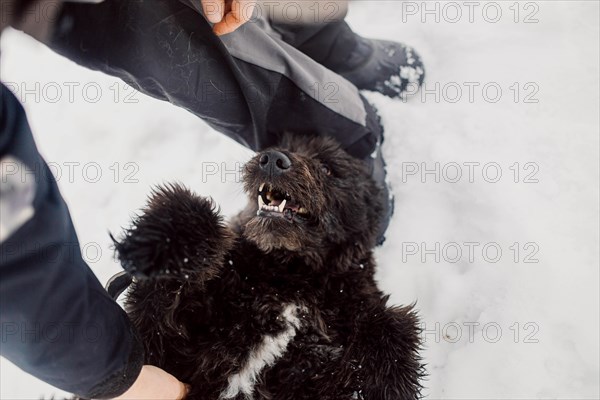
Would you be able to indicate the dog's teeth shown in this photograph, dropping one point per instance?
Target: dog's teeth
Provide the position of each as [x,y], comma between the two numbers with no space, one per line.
[260,189]
[302,210]
[261,203]
[282,206]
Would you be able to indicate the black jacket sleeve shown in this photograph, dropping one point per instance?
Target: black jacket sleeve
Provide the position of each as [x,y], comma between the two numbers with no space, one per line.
[57,322]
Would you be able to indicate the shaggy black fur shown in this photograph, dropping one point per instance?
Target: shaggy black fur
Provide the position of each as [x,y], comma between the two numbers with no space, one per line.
[290,296]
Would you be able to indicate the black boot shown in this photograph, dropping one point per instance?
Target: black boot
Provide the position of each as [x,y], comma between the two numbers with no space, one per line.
[387,67]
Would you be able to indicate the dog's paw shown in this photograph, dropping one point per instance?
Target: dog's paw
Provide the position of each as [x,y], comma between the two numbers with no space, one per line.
[177,234]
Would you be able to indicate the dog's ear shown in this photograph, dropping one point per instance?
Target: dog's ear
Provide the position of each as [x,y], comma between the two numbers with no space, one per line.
[177,234]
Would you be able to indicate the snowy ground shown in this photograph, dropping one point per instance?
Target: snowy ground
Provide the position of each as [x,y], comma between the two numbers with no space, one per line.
[523,324]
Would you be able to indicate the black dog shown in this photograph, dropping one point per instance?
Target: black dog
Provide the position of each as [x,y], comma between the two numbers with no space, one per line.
[282,303]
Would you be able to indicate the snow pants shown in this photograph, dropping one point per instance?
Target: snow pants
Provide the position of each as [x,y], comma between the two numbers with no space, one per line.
[254,84]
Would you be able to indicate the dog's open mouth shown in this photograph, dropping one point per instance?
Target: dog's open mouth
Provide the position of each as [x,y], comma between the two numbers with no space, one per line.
[274,202]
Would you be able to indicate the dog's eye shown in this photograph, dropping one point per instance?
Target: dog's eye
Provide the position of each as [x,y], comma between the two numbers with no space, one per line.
[325,168]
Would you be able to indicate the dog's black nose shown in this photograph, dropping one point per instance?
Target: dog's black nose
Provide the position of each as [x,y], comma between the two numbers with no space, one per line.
[274,162]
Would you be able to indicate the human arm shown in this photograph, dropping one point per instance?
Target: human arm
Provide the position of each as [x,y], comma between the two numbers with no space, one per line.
[57,321]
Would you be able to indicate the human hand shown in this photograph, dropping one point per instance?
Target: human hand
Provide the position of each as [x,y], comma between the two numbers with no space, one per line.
[154,383]
[228,15]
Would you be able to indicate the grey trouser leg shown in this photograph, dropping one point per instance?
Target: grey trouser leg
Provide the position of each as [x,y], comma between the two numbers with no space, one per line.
[250,85]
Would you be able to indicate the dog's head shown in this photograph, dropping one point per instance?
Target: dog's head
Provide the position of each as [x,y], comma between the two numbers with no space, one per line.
[309,195]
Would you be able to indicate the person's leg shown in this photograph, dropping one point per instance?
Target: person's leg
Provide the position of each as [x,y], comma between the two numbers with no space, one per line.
[384,66]
[330,44]
[249,84]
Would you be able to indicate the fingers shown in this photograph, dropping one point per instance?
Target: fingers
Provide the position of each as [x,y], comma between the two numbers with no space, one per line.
[154,383]
[213,10]
[240,13]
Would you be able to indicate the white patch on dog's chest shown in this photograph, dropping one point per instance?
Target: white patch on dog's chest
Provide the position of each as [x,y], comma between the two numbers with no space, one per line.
[265,354]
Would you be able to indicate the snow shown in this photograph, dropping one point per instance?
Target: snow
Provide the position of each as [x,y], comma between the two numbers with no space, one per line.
[505,329]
